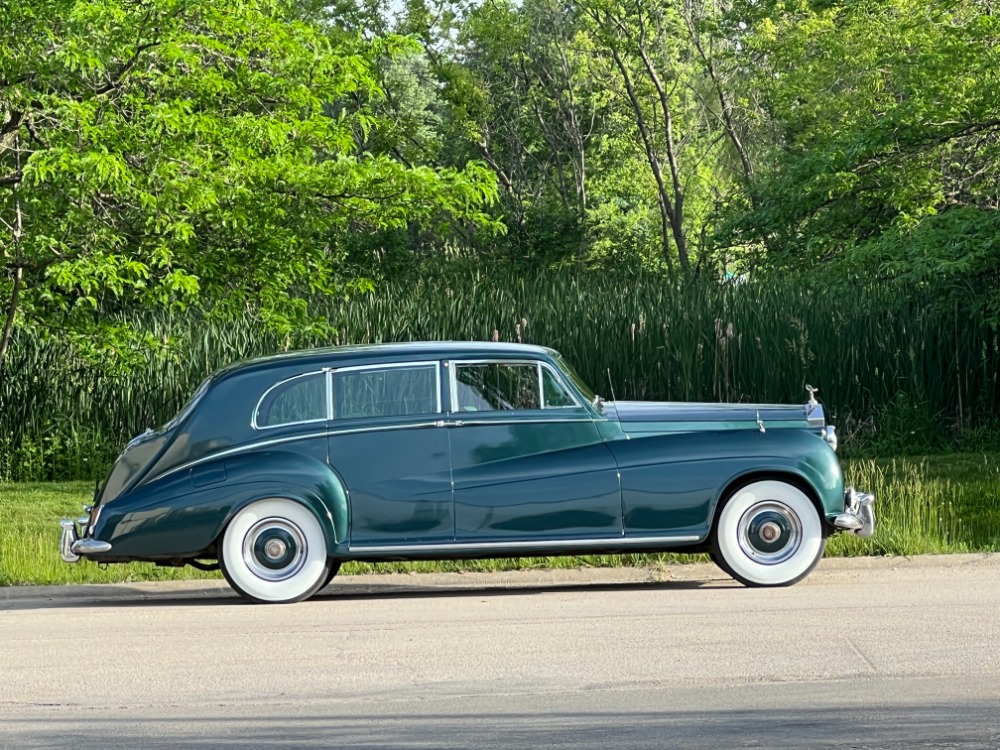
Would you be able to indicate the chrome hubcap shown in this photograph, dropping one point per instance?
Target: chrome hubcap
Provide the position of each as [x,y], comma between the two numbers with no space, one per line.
[770,532]
[274,549]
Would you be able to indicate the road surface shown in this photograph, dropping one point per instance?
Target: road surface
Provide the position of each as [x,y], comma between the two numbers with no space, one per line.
[883,653]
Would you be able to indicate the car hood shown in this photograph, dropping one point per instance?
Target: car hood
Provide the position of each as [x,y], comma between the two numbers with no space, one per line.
[666,416]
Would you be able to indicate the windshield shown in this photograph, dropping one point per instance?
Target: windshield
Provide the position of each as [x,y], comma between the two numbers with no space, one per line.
[579,382]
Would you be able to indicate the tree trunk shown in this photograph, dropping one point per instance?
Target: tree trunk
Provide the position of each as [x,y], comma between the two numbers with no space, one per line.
[8,328]
[663,198]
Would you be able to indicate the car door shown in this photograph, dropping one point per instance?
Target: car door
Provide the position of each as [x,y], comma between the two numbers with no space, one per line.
[387,442]
[528,463]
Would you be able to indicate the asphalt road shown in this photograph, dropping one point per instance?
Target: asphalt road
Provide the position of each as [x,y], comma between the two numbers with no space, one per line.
[890,653]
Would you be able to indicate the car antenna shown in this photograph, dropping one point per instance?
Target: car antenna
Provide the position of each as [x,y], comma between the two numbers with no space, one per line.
[610,386]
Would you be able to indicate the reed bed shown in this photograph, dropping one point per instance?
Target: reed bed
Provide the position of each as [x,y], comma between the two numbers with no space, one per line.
[896,372]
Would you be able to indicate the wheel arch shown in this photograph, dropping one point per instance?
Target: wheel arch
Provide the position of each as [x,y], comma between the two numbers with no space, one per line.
[324,494]
[788,476]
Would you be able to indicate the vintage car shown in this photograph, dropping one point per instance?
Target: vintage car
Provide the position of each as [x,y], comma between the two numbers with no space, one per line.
[282,468]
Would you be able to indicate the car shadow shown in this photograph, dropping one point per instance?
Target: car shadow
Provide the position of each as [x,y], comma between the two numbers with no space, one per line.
[924,726]
[125,596]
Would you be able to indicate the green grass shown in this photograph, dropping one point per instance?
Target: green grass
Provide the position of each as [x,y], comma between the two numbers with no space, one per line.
[938,504]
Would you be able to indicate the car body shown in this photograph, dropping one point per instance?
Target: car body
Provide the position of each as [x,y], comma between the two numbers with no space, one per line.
[281,468]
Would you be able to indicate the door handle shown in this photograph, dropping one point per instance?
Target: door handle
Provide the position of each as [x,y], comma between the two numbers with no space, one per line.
[453,423]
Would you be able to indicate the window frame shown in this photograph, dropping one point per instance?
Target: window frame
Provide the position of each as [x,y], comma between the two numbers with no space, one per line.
[436,364]
[329,373]
[256,410]
[540,365]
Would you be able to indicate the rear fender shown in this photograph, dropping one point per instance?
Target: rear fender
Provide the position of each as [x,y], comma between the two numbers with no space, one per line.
[183,513]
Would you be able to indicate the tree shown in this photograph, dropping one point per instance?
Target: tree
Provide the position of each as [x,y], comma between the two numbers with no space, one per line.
[171,151]
[883,125]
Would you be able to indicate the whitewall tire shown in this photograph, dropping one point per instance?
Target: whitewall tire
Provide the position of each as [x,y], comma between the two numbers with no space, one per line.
[274,551]
[768,533]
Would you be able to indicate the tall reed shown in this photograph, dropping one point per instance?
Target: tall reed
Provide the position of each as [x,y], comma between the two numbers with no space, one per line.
[881,359]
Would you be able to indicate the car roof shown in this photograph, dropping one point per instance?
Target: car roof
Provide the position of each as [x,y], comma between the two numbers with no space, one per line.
[376,353]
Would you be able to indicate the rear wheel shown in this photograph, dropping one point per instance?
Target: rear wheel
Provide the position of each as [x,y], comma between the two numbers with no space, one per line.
[768,533]
[274,552]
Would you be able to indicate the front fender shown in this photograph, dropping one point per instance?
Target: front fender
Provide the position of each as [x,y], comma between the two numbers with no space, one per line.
[673,483]
[182,513]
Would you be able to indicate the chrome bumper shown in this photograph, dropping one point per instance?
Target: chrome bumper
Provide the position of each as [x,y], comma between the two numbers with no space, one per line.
[72,546]
[858,515]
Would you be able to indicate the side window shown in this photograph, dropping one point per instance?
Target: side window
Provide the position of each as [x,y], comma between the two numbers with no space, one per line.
[301,399]
[497,387]
[553,393]
[391,392]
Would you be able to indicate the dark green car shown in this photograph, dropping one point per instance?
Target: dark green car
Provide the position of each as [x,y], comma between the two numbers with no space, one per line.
[282,468]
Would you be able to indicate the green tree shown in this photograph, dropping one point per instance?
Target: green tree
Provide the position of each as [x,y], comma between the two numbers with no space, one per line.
[881,120]
[171,151]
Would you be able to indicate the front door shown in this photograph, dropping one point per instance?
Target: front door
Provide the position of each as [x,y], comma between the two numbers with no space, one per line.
[528,463]
[387,443]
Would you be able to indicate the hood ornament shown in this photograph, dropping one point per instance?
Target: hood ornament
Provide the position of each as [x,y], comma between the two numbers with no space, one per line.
[812,396]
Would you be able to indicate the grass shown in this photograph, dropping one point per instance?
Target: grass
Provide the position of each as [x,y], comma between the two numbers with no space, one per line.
[933,505]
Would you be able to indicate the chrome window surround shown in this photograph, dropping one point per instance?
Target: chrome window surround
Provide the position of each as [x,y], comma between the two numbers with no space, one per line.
[453,364]
[260,401]
[329,372]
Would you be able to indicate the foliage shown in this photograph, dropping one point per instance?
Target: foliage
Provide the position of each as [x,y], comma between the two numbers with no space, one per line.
[169,151]
[881,133]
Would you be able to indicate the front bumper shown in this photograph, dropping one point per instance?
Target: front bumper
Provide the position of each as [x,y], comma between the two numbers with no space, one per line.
[858,515]
[73,545]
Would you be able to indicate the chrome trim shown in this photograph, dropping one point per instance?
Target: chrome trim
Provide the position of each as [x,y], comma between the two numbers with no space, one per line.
[794,533]
[436,364]
[829,434]
[71,546]
[330,372]
[329,394]
[815,415]
[387,366]
[67,539]
[530,544]
[256,409]
[858,516]
[812,396]
[556,420]
[91,547]
[275,549]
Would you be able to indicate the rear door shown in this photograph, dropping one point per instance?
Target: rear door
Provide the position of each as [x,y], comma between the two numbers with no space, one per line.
[387,442]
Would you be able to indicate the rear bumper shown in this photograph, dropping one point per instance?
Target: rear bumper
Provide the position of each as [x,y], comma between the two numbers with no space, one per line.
[858,516]
[72,546]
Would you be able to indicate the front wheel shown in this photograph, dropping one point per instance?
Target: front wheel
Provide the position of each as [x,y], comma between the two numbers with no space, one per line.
[768,533]
[274,552]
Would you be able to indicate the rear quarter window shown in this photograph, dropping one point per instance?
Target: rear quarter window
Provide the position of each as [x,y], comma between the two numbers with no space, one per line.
[298,399]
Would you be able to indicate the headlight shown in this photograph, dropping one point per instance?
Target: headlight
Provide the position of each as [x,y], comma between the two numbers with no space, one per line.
[829,434]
